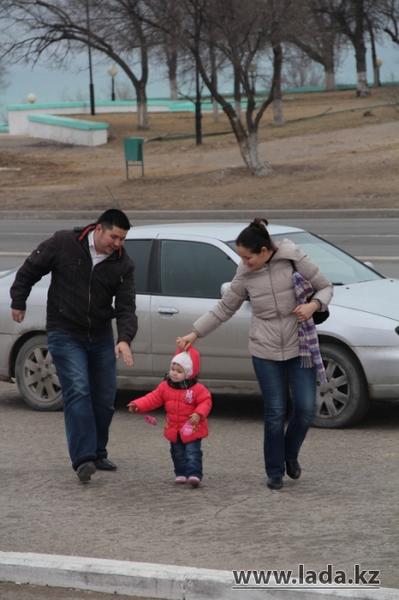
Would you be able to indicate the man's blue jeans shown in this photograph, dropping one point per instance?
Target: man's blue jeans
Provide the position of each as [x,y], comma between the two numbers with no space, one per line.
[86,369]
[275,379]
[187,458]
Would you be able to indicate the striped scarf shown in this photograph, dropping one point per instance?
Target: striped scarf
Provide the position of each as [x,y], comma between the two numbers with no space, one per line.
[309,349]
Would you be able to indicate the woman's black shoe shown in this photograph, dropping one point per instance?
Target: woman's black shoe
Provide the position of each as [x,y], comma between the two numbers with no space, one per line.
[293,469]
[274,483]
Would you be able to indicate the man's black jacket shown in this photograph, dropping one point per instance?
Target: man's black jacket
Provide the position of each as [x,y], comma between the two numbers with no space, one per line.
[80,297]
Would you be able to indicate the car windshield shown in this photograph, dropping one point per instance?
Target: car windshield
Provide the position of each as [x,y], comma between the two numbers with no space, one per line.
[338,266]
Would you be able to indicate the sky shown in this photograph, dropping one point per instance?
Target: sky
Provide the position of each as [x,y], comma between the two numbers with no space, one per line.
[52,85]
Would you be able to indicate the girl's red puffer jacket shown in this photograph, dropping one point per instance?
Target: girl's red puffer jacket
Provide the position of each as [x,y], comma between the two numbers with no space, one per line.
[180,404]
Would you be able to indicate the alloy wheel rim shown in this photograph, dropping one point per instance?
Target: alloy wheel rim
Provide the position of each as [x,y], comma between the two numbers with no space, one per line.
[39,375]
[333,397]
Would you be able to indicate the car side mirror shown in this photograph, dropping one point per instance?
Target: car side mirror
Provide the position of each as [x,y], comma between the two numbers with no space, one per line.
[368,263]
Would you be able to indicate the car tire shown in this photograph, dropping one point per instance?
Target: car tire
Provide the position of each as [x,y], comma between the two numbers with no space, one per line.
[344,400]
[36,376]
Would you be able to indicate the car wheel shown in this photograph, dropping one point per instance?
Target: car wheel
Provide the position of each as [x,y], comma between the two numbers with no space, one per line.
[344,399]
[36,376]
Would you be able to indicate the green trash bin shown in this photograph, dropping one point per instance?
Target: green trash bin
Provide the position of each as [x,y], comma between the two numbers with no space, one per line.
[134,155]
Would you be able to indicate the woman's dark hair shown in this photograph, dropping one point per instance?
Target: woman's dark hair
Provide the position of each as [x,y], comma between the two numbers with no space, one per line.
[256,236]
[113,217]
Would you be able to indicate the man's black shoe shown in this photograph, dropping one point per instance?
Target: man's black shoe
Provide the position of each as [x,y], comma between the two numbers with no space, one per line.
[85,471]
[293,469]
[274,483]
[104,464]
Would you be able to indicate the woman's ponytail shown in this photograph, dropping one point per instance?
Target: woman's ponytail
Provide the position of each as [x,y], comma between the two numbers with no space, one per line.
[255,236]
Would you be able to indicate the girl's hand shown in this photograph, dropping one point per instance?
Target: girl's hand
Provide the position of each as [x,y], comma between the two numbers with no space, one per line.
[183,343]
[132,407]
[194,420]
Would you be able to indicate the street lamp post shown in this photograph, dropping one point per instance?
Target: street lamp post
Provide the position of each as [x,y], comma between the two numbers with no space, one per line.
[378,65]
[198,110]
[112,72]
[91,85]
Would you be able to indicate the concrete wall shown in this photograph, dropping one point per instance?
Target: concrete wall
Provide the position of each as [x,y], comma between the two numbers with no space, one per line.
[68,135]
[18,123]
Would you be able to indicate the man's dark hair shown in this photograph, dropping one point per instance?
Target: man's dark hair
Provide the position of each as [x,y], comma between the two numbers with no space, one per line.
[114,217]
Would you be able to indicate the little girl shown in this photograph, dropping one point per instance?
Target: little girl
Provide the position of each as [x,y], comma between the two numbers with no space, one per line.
[187,405]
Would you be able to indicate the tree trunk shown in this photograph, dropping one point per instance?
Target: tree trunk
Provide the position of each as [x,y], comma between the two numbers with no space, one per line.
[142,108]
[173,89]
[362,88]
[376,74]
[360,51]
[278,114]
[215,110]
[249,152]
[330,84]
[214,81]
[171,57]
[237,92]
[248,145]
[374,58]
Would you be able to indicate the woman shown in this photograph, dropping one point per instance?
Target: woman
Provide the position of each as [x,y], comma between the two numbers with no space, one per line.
[265,275]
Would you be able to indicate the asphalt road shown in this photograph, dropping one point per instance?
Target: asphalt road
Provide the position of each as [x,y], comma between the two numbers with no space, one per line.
[343,510]
[372,239]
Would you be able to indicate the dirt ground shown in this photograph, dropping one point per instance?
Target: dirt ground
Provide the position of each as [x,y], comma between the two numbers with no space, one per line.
[334,151]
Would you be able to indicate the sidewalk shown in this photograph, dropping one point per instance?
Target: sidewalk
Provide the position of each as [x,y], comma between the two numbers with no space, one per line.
[169,582]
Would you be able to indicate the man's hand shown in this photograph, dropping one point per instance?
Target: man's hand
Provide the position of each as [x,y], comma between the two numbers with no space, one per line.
[123,350]
[18,315]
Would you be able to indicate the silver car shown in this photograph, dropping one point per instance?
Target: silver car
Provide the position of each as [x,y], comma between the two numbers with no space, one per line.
[180,270]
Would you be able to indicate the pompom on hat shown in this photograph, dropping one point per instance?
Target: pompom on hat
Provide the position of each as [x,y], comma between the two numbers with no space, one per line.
[184,360]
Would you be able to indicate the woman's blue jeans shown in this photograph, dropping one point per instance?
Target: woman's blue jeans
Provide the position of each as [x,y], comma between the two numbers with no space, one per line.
[275,379]
[187,458]
[86,369]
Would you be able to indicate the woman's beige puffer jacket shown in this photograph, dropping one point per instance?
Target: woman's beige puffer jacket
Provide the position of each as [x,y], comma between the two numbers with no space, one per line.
[273,332]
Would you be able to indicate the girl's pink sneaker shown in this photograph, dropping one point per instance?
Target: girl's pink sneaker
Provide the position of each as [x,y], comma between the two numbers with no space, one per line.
[194,481]
[180,479]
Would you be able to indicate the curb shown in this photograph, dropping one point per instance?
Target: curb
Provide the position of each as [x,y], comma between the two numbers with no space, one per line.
[219,214]
[150,580]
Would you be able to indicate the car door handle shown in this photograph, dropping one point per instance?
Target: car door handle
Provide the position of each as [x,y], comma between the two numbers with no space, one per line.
[167,310]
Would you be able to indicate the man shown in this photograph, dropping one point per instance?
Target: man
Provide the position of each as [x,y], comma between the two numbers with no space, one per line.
[91,283]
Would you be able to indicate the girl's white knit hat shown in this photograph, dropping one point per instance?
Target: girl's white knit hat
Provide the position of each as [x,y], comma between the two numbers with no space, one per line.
[184,360]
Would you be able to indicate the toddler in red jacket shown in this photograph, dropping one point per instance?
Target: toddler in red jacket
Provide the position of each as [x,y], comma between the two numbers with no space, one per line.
[187,405]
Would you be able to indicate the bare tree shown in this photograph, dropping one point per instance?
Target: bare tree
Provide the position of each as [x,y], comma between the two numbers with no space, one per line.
[241,33]
[350,17]
[300,70]
[390,13]
[318,36]
[53,30]
[170,51]
[169,45]
[372,28]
